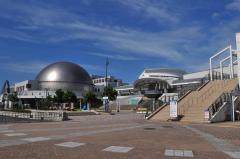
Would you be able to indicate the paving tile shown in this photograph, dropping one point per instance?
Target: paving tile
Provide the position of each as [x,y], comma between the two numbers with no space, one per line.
[36,139]
[118,149]
[15,134]
[169,152]
[178,153]
[70,144]
[235,155]
[187,153]
[6,131]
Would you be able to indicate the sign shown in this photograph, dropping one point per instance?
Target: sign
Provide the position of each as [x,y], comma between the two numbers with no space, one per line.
[105,103]
[206,114]
[85,107]
[173,109]
[105,97]
[133,101]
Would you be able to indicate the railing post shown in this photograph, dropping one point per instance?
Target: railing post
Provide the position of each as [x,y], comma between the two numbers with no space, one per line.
[210,69]
[231,61]
[233,109]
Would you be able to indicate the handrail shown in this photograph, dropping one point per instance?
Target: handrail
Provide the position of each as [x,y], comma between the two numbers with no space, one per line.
[215,106]
[188,92]
[203,85]
[156,111]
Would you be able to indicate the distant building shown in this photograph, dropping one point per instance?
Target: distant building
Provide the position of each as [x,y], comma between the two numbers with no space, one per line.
[125,90]
[100,82]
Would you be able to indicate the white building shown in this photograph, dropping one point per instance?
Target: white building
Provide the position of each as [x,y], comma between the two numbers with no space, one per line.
[100,82]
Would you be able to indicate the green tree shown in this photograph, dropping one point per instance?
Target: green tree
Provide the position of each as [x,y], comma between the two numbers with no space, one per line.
[46,103]
[49,98]
[59,96]
[110,92]
[69,97]
[91,98]
[13,98]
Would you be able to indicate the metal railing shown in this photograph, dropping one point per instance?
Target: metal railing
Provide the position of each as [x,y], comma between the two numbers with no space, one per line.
[214,108]
[202,96]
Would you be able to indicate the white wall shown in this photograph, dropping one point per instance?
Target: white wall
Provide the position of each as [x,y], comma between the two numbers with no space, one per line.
[23,84]
[35,94]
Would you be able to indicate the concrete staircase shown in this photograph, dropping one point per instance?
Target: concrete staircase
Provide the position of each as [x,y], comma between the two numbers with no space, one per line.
[193,108]
[193,105]
[162,115]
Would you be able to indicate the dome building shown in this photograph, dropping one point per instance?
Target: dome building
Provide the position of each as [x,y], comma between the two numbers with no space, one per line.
[65,76]
[60,75]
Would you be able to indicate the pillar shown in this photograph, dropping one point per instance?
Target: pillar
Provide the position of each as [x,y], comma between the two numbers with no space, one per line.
[238,54]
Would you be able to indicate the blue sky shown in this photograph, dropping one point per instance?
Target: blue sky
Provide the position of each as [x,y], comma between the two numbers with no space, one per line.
[134,34]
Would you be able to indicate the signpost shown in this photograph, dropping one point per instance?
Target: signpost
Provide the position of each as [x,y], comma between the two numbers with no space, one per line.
[105,103]
[206,115]
[173,109]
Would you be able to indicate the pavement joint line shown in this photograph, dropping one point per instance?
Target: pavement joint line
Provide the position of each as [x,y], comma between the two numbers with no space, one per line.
[178,153]
[3,143]
[6,131]
[70,144]
[36,139]
[15,134]
[118,149]
[74,128]
[222,145]
[219,126]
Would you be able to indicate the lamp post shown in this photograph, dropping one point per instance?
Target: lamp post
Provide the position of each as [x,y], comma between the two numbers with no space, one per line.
[106,85]
[106,80]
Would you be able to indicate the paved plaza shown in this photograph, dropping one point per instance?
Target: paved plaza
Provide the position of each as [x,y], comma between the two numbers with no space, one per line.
[124,135]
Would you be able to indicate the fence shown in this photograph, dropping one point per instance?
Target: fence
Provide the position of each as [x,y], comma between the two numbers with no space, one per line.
[8,116]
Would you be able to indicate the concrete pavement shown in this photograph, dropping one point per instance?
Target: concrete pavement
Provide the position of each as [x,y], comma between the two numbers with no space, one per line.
[125,135]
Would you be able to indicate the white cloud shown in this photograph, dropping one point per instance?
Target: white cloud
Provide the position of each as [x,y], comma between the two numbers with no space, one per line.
[182,43]
[36,66]
[157,10]
[58,25]
[91,67]
[234,5]
[25,67]
[116,57]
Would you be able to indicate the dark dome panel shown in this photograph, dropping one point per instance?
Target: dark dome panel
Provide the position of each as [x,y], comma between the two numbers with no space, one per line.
[64,72]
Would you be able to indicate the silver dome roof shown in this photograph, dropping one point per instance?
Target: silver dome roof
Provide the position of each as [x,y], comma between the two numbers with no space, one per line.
[64,72]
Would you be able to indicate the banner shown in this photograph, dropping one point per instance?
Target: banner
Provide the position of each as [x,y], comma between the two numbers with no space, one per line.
[173,109]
